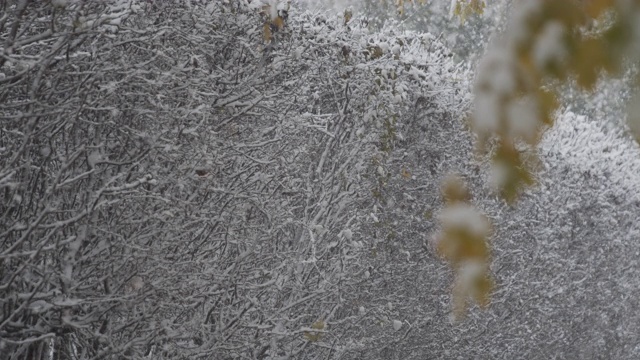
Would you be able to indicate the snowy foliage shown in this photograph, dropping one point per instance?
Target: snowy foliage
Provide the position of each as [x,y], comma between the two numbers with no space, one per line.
[592,149]
[465,217]
[173,186]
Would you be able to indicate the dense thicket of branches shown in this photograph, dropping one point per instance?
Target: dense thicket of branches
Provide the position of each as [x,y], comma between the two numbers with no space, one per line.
[176,184]
[174,187]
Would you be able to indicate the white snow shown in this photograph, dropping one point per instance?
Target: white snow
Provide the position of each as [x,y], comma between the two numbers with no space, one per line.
[522,14]
[470,271]
[59,3]
[633,117]
[524,118]
[590,148]
[498,175]
[452,8]
[465,216]
[550,47]
[273,9]
[485,113]
[40,306]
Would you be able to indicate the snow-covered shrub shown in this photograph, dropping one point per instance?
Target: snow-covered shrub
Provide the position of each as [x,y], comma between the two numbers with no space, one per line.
[173,185]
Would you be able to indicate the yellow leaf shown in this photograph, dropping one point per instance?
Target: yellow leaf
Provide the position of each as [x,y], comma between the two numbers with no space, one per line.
[482,290]
[319,325]
[278,22]
[266,34]
[548,103]
[454,190]
[589,59]
[517,176]
[464,8]
[314,335]
[265,10]
[347,16]
[595,8]
[375,52]
[459,299]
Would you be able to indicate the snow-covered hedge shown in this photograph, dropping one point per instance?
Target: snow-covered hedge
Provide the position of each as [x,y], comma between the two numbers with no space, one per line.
[171,185]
